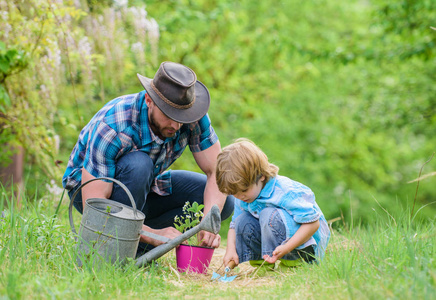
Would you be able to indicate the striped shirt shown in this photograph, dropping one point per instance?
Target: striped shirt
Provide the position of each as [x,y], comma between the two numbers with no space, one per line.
[120,127]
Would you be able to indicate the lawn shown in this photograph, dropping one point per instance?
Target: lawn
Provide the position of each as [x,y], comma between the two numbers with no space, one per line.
[392,257]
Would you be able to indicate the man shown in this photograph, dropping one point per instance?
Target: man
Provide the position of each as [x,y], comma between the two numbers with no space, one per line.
[135,138]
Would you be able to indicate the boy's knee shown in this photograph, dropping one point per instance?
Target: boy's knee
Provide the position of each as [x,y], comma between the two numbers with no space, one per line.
[246,233]
[271,219]
[246,226]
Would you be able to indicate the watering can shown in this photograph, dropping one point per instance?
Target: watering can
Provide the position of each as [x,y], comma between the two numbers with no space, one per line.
[113,229]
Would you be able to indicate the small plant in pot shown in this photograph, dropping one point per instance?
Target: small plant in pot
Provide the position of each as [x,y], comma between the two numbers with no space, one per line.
[192,257]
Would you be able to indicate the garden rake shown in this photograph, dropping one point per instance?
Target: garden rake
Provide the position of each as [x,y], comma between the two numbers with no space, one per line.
[225,278]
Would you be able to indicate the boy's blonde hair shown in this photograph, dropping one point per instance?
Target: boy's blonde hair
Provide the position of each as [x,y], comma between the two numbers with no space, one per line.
[241,165]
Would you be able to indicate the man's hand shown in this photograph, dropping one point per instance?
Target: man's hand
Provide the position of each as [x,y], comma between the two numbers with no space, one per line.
[209,239]
[169,232]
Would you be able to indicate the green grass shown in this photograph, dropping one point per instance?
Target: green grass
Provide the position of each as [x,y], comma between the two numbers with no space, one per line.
[392,257]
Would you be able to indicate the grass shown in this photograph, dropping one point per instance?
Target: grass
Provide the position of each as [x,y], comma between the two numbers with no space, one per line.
[391,258]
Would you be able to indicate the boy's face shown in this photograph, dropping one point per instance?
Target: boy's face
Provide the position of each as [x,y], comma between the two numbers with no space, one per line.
[251,194]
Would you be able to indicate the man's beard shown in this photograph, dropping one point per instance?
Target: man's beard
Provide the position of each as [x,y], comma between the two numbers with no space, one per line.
[157,129]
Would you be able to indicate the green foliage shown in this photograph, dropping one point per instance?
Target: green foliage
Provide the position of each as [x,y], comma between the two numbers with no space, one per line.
[11,60]
[337,100]
[56,60]
[118,42]
[407,24]
[31,77]
[341,101]
[192,215]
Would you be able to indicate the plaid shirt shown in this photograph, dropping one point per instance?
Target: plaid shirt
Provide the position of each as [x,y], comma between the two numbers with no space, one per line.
[120,127]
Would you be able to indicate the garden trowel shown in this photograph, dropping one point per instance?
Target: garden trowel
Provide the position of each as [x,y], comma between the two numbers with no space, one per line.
[225,278]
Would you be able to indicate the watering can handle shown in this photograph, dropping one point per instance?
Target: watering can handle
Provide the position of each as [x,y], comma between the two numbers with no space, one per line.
[80,187]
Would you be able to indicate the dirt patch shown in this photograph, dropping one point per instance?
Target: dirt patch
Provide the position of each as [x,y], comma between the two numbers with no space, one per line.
[246,276]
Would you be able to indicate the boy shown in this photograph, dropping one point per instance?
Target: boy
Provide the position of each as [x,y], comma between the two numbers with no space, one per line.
[275,217]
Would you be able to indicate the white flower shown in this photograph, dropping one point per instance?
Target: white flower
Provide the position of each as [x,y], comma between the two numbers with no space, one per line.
[53,188]
[121,3]
[138,47]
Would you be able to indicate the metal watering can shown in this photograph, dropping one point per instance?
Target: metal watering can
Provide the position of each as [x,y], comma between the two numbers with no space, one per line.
[113,229]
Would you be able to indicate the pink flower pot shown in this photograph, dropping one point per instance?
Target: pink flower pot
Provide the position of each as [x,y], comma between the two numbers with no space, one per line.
[193,258]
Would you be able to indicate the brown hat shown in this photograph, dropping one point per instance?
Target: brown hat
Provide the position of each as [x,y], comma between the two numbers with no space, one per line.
[177,92]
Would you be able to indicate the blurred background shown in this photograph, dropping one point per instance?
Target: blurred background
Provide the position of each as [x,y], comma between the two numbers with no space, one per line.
[340,95]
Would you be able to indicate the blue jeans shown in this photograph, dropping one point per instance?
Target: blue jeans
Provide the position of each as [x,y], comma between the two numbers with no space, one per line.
[258,237]
[135,171]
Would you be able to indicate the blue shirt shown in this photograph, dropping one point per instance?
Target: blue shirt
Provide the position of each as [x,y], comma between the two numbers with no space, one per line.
[120,127]
[297,202]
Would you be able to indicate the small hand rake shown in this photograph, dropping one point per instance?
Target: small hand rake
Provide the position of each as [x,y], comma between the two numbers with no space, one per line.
[225,278]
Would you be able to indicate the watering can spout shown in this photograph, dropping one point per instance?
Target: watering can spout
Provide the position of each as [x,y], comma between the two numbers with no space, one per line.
[211,223]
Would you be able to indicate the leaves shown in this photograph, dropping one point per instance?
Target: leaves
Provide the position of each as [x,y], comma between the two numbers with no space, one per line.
[56,59]
[5,101]
[337,100]
[193,212]
[11,60]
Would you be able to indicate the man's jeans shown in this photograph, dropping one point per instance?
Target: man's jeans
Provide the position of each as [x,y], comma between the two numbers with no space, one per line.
[258,237]
[135,171]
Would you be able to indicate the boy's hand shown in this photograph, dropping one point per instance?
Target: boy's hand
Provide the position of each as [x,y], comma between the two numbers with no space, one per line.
[278,253]
[230,256]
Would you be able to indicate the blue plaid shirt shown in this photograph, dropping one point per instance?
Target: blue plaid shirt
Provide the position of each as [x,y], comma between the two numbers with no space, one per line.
[120,127]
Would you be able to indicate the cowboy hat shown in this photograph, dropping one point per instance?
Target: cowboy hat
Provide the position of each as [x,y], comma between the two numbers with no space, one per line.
[177,92]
